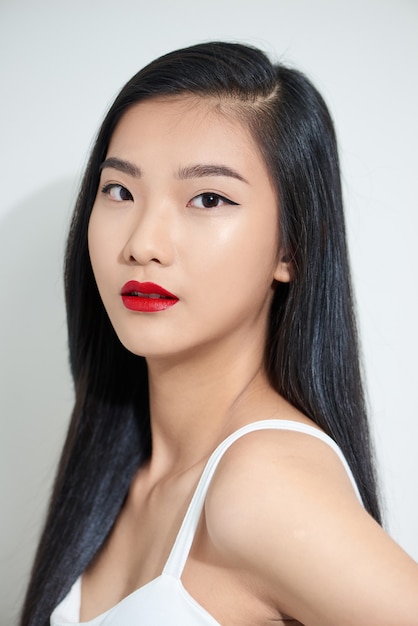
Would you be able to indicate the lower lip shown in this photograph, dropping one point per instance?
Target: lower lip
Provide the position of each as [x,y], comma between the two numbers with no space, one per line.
[148,305]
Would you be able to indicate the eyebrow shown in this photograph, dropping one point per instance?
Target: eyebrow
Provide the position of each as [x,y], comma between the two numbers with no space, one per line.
[200,170]
[122,166]
[208,169]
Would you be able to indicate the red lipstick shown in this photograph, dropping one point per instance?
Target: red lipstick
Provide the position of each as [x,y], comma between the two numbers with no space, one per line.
[146,297]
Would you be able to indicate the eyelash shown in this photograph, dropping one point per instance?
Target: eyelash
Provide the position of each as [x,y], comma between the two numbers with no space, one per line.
[215,197]
[206,196]
[107,189]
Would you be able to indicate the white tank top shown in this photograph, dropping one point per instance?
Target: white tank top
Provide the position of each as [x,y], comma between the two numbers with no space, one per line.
[164,601]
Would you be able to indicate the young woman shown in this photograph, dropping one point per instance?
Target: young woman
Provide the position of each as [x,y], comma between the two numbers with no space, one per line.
[217,468]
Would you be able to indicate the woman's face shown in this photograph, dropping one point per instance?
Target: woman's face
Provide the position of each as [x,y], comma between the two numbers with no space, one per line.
[183,232]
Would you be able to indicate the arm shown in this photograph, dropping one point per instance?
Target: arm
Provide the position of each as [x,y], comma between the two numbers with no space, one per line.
[282,507]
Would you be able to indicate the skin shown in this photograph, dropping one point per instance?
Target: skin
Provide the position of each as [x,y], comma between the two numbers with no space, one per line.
[282,533]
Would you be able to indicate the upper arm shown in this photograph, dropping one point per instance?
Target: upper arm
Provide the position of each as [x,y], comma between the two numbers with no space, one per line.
[282,506]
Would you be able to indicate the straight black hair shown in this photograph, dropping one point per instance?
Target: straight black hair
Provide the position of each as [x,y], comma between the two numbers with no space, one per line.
[311,353]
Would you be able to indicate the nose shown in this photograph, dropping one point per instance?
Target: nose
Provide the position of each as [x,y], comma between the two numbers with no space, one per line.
[150,237]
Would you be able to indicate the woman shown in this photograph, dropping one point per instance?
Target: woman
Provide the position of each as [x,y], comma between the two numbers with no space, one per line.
[210,309]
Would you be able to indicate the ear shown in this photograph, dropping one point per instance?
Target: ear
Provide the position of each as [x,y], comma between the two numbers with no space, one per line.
[283,272]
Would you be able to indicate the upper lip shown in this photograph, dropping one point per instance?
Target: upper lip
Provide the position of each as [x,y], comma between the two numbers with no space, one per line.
[133,287]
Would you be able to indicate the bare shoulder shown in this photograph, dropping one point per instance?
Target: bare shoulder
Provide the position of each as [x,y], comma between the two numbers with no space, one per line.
[280,472]
[282,505]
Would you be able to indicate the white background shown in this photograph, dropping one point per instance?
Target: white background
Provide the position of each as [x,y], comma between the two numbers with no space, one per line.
[61,65]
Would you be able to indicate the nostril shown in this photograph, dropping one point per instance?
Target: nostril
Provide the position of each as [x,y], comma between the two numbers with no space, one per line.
[132,260]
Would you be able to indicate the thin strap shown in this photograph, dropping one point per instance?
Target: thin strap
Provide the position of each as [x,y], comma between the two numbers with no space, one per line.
[180,551]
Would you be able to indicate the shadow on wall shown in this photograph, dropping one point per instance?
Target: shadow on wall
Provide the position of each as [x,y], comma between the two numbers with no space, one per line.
[35,386]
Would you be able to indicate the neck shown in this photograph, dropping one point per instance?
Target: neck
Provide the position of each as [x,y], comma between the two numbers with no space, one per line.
[196,402]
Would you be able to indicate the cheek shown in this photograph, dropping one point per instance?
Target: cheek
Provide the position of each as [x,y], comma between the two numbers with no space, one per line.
[93,245]
[238,259]
[100,246]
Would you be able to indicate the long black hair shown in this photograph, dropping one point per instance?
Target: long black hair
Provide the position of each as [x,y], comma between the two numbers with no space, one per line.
[311,353]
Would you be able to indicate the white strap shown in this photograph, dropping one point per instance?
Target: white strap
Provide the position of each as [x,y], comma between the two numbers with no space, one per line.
[180,551]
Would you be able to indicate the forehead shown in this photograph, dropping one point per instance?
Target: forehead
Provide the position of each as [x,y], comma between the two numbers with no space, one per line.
[184,110]
[185,127]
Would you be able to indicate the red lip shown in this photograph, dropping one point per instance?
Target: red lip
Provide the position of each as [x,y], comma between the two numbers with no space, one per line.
[146,297]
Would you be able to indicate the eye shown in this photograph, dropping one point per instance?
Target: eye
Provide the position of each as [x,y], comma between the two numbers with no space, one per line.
[118,193]
[209,200]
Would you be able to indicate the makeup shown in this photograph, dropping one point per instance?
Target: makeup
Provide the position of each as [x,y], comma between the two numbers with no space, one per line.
[146,297]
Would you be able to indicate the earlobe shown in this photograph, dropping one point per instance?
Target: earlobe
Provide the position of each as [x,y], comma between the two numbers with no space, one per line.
[283,272]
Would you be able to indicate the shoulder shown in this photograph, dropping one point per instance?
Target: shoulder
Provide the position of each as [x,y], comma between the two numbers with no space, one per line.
[275,477]
[282,507]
